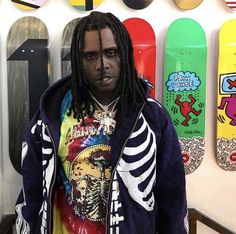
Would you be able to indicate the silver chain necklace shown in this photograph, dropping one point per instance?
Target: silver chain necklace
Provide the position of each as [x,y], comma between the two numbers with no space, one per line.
[106,107]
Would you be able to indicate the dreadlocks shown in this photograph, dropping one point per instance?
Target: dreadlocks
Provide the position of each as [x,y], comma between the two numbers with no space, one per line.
[129,87]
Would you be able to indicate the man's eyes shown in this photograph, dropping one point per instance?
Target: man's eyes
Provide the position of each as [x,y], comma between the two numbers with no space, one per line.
[93,56]
[90,56]
[111,53]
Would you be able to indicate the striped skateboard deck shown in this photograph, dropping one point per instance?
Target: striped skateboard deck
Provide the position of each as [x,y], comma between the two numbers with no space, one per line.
[231,4]
[28,4]
[85,5]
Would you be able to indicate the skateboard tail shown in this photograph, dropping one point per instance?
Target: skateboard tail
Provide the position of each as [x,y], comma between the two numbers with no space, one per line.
[193,150]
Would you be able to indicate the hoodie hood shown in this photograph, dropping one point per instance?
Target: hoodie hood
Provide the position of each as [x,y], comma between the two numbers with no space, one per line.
[51,99]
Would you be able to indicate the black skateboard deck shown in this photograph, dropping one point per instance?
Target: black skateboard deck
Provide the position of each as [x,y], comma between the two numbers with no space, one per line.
[28,77]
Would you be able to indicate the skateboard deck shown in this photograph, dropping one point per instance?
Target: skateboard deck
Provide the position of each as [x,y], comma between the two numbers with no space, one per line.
[144,43]
[28,4]
[85,5]
[184,89]
[231,4]
[226,98]
[137,4]
[65,48]
[187,4]
[28,77]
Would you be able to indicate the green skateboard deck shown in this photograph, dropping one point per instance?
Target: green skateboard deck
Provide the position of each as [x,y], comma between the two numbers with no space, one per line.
[226,98]
[65,48]
[85,5]
[184,89]
[28,77]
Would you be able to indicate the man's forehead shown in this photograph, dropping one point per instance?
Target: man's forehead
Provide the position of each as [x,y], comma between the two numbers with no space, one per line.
[94,38]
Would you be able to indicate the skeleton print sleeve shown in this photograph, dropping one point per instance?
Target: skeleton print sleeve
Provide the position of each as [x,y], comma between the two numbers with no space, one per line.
[30,199]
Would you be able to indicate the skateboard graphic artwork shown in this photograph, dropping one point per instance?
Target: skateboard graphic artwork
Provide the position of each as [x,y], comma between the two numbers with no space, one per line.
[187,4]
[27,77]
[226,97]
[65,47]
[144,44]
[28,4]
[85,5]
[231,4]
[184,87]
[137,4]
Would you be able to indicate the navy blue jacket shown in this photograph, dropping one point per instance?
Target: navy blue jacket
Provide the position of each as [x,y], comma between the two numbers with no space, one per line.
[147,190]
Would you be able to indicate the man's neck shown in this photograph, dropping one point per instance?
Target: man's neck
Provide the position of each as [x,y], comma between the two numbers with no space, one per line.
[105,98]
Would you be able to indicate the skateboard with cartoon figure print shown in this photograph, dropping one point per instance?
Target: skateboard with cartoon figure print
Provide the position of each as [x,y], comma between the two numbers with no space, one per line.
[27,77]
[28,4]
[226,98]
[85,5]
[184,89]
[137,4]
[187,4]
[144,45]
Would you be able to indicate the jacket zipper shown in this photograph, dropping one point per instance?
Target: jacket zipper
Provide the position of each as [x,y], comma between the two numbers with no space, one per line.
[53,181]
[112,174]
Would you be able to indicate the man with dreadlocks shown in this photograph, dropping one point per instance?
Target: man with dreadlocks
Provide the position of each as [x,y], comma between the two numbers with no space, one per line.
[99,156]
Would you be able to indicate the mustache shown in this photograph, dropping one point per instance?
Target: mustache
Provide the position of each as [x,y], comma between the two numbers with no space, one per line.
[102,75]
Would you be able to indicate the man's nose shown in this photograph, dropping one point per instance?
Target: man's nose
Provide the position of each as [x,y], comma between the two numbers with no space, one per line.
[103,63]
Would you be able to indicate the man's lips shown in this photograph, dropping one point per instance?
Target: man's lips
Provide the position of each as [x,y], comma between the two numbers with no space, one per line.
[105,81]
[105,76]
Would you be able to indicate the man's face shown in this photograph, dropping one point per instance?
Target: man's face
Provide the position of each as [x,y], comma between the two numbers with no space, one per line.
[92,62]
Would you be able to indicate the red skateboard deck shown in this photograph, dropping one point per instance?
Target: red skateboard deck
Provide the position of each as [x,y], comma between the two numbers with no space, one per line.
[144,43]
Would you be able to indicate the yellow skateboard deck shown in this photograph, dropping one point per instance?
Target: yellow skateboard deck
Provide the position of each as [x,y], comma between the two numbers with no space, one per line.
[28,5]
[226,98]
[85,5]
[187,4]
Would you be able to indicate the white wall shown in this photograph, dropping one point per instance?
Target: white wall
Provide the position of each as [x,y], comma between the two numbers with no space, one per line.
[209,189]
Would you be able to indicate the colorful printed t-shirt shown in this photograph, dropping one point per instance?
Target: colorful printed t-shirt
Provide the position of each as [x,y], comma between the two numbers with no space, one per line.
[81,194]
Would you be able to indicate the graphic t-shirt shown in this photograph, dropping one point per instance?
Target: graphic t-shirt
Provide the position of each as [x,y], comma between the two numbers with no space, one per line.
[81,194]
